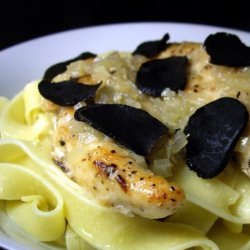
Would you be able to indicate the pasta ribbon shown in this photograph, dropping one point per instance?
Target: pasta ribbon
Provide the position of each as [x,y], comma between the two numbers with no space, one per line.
[74,241]
[239,241]
[32,102]
[101,227]
[204,219]
[32,202]
[228,202]
[23,120]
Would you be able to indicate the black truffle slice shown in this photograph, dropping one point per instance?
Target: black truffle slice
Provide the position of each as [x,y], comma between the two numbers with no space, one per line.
[67,93]
[156,75]
[131,127]
[227,50]
[213,131]
[152,48]
[59,68]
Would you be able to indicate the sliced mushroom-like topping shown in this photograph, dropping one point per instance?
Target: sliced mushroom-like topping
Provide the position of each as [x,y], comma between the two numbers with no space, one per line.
[67,93]
[156,75]
[131,127]
[227,50]
[152,48]
[59,68]
[212,132]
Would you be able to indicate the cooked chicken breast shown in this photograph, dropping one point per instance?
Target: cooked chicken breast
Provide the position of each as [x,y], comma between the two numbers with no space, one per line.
[116,177]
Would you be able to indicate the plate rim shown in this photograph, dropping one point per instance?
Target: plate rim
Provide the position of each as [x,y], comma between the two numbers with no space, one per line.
[92,27]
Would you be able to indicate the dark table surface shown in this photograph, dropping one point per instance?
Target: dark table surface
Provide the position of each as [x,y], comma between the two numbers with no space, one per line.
[27,21]
[20,22]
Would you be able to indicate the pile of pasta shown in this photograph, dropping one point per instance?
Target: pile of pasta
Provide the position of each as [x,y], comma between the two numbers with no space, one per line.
[53,212]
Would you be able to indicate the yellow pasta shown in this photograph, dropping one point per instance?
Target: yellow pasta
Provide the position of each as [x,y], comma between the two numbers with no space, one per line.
[30,205]
[203,221]
[212,195]
[14,123]
[239,241]
[74,241]
[93,223]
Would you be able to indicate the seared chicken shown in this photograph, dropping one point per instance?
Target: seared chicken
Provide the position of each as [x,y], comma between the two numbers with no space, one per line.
[116,177]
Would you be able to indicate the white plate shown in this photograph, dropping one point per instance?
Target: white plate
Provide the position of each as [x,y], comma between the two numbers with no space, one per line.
[27,61]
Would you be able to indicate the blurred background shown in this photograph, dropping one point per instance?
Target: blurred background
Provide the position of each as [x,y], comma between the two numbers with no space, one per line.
[21,21]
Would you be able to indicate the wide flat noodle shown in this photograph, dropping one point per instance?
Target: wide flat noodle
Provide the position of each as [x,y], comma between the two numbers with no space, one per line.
[241,184]
[214,195]
[32,202]
[228,240]
[103,228]
[32,102]
[21,237]
[18,121]
[203,221]
[74,241]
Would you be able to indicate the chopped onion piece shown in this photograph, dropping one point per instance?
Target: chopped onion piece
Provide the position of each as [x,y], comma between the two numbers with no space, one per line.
[162,167]
[179,141]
